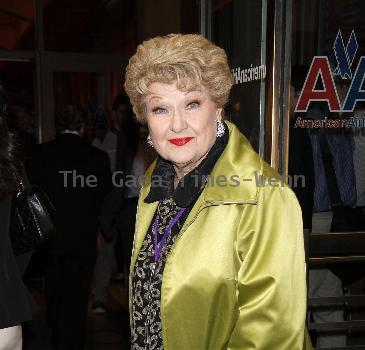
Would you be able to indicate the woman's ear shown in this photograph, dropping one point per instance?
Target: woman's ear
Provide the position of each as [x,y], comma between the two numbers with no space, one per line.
[219,114]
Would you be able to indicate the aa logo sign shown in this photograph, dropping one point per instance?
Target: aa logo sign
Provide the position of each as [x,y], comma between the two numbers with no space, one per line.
[320,68]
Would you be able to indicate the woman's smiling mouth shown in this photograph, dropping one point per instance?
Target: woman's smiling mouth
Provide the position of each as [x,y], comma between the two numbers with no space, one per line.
[180,141]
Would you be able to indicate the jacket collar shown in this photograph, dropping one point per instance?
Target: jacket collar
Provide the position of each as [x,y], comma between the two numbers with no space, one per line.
[240,167]
[190,186]
[70,137]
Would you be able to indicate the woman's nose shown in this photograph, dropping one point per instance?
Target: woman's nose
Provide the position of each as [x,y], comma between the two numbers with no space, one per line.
[178,122]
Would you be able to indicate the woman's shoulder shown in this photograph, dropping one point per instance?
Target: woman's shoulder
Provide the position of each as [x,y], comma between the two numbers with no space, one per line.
[244,177]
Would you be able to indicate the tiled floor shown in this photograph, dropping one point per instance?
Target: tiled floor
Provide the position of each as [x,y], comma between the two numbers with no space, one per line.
[109,331]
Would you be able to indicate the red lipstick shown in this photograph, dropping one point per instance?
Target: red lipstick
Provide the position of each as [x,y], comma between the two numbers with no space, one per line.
[180,141]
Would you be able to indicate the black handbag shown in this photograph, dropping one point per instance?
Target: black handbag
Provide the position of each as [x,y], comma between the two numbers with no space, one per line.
[32,219]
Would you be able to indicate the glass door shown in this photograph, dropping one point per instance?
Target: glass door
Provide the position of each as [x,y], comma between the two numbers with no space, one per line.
[240,28]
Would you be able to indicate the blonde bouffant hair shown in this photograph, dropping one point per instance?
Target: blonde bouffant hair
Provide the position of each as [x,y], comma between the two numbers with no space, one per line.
[190,60]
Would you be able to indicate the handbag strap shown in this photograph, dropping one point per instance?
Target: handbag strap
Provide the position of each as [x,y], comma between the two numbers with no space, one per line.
[20,187]
[332,183]
[23,182]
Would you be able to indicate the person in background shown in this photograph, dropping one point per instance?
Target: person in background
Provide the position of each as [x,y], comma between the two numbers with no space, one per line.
[128,138]
[358,131]
[15,304]
[323,282]
[21,123]
[121,143]
[218,260]
[143,158]
[76,176]
[300,160]
[106,140]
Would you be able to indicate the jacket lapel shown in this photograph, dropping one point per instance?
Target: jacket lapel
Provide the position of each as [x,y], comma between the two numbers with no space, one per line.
[144,217]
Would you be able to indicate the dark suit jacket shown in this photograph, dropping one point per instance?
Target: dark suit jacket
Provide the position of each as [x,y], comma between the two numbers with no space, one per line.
[77,203]
[301,163]
[15,306]
[111,211]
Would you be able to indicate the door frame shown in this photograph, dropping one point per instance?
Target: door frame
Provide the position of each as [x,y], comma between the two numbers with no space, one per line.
[103,64]
[274,92]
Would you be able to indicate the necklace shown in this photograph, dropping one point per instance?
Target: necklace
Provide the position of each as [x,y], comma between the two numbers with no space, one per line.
[159,247]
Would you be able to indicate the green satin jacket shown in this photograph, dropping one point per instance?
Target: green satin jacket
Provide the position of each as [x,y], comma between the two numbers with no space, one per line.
[235,277]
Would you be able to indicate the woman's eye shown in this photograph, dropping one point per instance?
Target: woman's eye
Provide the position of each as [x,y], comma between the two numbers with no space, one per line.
[193,104]
[159,110]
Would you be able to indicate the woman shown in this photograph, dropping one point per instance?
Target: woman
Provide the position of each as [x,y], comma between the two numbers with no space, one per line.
[15,306]
[218,259]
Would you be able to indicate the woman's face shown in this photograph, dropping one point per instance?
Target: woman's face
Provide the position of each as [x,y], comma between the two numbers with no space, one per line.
[182,124]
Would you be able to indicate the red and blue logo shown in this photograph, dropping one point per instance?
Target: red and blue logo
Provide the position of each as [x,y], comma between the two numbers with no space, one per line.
[320,68]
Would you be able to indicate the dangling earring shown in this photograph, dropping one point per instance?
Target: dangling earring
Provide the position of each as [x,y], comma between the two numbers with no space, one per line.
[149,140]
[220,128]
